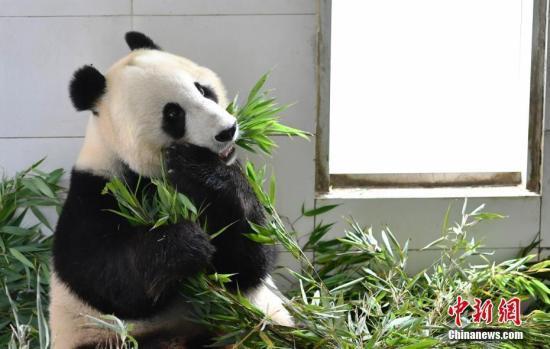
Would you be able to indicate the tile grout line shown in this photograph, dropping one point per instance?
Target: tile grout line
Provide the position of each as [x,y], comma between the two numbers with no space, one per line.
[82,136]
[131,14]
[41,137]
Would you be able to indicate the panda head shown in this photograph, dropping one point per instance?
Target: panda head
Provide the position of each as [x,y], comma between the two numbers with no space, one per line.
[145,102]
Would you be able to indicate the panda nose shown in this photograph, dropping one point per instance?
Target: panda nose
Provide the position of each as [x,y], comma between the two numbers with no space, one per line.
[227,134]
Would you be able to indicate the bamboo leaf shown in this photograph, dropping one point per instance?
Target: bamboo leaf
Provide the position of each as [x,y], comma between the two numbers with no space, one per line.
[319,210]
[257,87]
[21,258]
[40,216]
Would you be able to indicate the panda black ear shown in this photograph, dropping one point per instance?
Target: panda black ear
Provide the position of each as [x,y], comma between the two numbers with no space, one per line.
[137,40]
[87,87]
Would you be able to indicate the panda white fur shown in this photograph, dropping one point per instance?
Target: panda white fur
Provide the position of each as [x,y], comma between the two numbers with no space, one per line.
[152,102]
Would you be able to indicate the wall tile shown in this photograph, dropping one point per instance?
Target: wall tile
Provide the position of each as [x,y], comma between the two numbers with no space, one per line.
[283,279]
[295,179]
[223,7]
[64,7]
[421,219]
[39,56]
[419,260]
[18,154]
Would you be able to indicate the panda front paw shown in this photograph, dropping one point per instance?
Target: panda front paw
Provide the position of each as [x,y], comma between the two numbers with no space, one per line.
[169,254]
[190,168]
[187,247]
[183,156]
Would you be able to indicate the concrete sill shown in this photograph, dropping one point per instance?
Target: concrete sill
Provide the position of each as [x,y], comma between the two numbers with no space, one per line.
[424,193]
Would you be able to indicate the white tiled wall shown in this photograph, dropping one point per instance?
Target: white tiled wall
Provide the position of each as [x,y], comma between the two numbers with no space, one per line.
[40,8]
[39,54]
[420,220]
[224,7]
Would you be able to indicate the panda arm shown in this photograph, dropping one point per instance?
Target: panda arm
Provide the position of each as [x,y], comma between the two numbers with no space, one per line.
[230,202]
[236,204]
[117,268]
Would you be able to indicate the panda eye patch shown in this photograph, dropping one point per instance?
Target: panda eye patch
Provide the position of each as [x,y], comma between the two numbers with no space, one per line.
[173,120]
[200,88]
[206,92]
[173,111]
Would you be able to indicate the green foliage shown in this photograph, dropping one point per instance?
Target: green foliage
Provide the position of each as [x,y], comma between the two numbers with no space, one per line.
[157,207]
[25,254]
[122,329]
[258,120]
[358,294]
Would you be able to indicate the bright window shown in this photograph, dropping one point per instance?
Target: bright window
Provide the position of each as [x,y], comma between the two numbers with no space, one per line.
[430,86]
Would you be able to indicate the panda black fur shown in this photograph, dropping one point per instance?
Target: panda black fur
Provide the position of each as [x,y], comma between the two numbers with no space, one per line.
[102,264]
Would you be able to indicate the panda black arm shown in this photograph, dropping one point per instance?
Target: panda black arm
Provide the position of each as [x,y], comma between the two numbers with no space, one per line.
[229,201]
[117,268]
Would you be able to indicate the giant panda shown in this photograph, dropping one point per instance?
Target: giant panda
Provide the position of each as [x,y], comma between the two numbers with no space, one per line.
[150,103]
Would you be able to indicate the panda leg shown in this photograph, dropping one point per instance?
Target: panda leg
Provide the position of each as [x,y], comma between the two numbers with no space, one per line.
[162,341]
[268,299]
[199,342]
[171,341]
